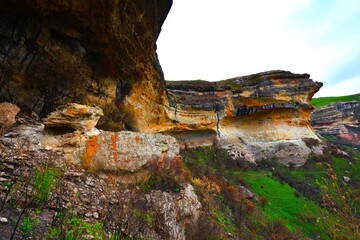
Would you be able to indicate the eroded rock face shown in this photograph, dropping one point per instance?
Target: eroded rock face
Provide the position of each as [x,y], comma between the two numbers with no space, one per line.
[253,116]
[177,210]
[128,151]
[272,96]
[91,197]
[103,53]
[75,116]
[8,112]
[340,120]
[91,52]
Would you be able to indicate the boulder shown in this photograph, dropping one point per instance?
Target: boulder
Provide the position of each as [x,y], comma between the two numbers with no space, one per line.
[8,111]
[127,151]
[75,116]
[346,179]
[177,210]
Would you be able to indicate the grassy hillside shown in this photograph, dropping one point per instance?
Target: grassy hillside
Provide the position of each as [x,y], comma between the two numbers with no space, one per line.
[310,202]
[318,102]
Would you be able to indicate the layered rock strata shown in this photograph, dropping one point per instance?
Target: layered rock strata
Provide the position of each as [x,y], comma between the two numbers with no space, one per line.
[75,116]
[340,120]
[98,53]
[250,115]
[71,130]
[103,53]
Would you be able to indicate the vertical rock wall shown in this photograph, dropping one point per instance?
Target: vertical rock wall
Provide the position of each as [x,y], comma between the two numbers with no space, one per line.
[87,51]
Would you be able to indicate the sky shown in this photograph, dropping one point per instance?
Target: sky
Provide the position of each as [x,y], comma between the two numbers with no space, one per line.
[220,39]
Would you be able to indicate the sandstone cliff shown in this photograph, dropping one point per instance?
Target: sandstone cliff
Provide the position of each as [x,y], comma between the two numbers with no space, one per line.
[339,120]
[95,62]
[103,53]
[250,115]
[91,52]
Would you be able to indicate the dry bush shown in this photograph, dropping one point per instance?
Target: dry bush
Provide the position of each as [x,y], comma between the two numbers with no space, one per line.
[170,170]
[236,200]
[206,189]
[341,202]
[278,231]
[264,201]
[206,229]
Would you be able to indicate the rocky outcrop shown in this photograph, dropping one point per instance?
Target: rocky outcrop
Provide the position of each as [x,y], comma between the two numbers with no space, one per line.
[8,112]
[90,196]
[197,105]
[253,116]
[338,121]
[71,130]
[177,210]
[75,116]
[127,151]
[103,53]
[91,52]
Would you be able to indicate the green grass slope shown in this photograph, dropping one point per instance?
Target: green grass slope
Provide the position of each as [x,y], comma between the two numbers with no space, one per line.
[322,101]
[285,209]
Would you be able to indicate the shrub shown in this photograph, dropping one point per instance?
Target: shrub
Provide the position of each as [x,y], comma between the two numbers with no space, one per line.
[341,202]
[277,230]
[28,225]
[44,181]
[68,226]
[263,201]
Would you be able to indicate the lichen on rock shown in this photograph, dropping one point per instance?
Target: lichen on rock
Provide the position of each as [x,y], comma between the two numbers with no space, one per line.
[126,151]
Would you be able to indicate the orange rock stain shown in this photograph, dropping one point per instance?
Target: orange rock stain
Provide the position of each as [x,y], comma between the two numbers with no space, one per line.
[229,112]
[113,145]
[83,110]
[137,140]
[87,160]
[70,111]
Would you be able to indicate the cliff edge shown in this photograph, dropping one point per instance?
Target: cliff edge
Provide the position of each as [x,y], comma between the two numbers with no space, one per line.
[264,115]
[98,53]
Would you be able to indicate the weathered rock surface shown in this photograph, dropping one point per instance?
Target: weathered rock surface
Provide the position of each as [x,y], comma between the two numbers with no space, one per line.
[91,52]
[271,96]
[75,116]
[68,130]
[340,120]
[286,152]
[99,197]
[264,115]
[103,53]
[128,151]
[178,210]
[8,112]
